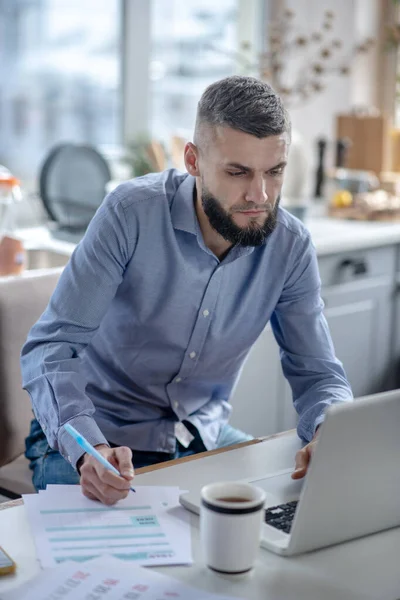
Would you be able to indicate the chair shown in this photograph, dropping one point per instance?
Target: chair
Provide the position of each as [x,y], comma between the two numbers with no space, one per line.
[23,298]
[72,185]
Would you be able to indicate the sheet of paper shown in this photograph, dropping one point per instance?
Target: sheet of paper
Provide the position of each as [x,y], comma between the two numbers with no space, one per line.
[52,487]
[178,518]
[105,578]
[147,528]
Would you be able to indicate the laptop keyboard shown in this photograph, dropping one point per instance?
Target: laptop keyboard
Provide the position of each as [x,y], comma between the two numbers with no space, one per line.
[281,516]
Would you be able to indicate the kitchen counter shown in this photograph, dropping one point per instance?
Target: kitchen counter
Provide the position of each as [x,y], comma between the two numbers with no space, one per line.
[329,235]
[41,238]
[337,235]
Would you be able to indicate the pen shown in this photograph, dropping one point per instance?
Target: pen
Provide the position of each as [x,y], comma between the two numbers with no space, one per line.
[90,450]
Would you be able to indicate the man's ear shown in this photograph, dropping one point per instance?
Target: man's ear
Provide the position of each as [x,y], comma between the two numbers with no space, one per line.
[191,156]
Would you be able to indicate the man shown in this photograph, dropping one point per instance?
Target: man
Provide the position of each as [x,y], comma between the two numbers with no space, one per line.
[175,279]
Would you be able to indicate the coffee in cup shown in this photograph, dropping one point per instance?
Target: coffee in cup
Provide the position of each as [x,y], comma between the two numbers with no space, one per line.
[231,515]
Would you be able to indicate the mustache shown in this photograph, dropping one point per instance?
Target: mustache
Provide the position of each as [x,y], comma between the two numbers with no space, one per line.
[248,207]
[266,207]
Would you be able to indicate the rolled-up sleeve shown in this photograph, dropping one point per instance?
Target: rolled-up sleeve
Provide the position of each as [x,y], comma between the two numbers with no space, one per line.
[316,376]
[50,358]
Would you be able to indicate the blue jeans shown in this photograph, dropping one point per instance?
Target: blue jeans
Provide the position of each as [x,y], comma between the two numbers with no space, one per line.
[49,466]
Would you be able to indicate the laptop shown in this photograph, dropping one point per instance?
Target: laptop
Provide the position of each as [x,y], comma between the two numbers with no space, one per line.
[352,487]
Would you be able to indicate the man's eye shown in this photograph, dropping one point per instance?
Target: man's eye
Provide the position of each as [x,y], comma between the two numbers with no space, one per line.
[236,173]
[276,172]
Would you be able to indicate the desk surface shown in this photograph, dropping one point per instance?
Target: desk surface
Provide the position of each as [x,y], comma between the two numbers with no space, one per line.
[365,568]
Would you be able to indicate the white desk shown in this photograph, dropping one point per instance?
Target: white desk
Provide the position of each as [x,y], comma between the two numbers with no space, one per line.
[365,568]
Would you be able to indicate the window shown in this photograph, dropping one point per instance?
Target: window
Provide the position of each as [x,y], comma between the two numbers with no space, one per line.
[61,63]
[192,44]
[59,78]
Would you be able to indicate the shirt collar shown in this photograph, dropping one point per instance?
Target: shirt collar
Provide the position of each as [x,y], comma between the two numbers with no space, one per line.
[183,213]
[183,217]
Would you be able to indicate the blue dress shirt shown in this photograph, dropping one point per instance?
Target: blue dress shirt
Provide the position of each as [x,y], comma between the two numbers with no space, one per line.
[147,327]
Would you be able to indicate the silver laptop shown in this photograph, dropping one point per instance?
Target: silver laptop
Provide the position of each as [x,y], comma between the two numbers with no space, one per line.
[352,487]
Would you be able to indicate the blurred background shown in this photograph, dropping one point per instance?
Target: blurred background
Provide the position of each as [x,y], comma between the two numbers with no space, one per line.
[123,77]
[94,92]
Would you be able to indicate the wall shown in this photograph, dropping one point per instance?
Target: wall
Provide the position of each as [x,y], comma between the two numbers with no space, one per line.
[354,20]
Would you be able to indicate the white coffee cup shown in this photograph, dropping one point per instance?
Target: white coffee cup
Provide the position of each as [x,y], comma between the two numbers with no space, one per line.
[231,515]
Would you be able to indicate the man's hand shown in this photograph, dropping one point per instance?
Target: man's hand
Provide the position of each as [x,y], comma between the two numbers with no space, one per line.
[303,458]
[100,484]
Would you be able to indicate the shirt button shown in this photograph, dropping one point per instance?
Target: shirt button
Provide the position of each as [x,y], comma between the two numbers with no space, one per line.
[206,313]
[178,379]
[176,404]
[192,355]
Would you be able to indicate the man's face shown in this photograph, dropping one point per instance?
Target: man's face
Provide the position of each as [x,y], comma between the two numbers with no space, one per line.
[241,177]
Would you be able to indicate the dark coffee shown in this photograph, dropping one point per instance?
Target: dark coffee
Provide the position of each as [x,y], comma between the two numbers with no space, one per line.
[233,499]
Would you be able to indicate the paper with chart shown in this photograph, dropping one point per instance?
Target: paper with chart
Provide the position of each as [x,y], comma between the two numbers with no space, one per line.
[147,528]
[105,578]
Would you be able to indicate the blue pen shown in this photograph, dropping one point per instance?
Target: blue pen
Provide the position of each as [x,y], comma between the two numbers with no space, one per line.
[90,450]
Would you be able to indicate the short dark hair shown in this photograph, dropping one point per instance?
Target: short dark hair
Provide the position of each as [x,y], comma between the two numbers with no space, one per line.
[243,103]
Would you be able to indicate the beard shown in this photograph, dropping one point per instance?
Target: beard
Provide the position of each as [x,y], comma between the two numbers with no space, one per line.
[222,222]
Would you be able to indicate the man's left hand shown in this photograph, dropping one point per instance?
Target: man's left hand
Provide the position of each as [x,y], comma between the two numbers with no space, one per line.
[303,458]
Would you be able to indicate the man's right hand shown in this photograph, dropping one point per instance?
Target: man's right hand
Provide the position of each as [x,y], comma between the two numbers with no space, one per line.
[100,484]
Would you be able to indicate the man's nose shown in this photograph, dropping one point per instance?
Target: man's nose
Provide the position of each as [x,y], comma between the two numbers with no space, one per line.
[257,192]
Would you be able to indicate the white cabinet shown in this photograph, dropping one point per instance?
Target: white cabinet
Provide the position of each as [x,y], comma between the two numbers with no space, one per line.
[254,401]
